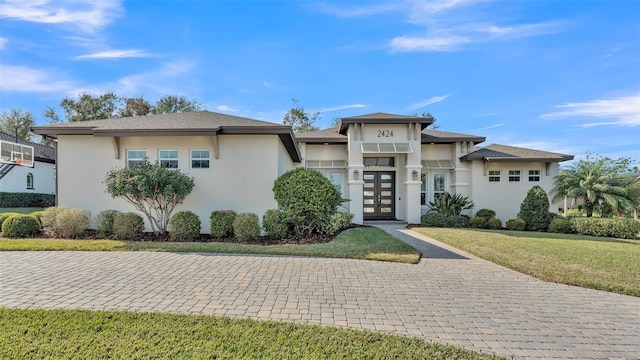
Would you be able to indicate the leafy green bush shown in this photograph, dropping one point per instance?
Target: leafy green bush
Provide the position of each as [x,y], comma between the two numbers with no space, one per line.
[486,214]
[450,204]
[307,200]
[534,210]
[21,226]
[4,216]
[516,224]
[559,225]
[339,221]
[184,226]
[434,219]
[12,200]
[37,215]
[62,222]
[246,226]
[609,227]
[494,223]
[222,223]
[104,223]
[274,224]
[128,226]
[477,222]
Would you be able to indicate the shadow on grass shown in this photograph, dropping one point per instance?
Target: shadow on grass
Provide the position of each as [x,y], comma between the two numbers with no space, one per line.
[545,235]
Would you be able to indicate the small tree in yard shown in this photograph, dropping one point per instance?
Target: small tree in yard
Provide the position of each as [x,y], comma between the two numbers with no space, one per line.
[152,189]
[534,210]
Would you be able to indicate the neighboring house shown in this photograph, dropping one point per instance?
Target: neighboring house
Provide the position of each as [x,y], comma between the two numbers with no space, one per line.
[39,179]
[388,166]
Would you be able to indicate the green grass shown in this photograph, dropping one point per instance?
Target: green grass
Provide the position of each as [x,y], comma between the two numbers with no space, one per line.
[21,210]
[359,243]
[587,261]
[82,334]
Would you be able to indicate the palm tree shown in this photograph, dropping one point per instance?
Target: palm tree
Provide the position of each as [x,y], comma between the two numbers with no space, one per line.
[600,182]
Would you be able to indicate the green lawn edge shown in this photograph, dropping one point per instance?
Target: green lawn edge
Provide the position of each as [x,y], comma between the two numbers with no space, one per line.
[365,243]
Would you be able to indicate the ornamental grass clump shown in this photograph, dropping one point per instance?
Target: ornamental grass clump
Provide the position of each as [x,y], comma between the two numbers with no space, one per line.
[62,222]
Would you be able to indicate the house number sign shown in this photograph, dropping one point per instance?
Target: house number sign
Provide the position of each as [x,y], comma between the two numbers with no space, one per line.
[385,133]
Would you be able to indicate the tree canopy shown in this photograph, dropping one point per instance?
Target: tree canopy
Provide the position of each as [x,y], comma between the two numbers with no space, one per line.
[16,119]
[175,104]
[299,120]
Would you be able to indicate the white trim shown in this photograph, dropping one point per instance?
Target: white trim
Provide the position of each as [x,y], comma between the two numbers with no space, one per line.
[395,148]
[191,159]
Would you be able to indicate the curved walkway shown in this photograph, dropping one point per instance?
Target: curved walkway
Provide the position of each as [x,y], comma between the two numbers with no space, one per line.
[449,297]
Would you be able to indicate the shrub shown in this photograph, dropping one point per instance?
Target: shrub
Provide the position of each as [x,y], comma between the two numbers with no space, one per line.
[4,216]
[12,200]
[274,224]
[450,204]
[184,226]
[104,223]
[37,215]
[562,226]
[534,210]
[486,214]
[307,200]
[246,226]
[477,222]
[494,223]
[339,221]
[516,224]
[434,219]
[128,226]
[62,222]
[222,223]
[21,226]
[609,227]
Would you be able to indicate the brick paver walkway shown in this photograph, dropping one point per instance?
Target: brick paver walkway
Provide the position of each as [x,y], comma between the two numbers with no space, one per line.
[449,297]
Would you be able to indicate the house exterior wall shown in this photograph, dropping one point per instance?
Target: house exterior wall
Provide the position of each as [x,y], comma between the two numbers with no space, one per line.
[241,179]
[505,197]
[43,179]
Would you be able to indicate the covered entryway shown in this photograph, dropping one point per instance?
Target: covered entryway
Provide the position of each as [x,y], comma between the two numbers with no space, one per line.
[378,195]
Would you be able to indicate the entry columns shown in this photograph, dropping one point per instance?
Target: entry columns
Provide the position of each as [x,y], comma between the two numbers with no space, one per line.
[355,173]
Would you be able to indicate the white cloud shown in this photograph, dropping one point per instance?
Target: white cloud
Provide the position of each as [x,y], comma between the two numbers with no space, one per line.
[341,107]
[355,11]
[88,15]
[492,126]
[428,43]
[622,111]
[273,86]
[423,103]
[227,109]
[115,54]
[25,79]
[3,41]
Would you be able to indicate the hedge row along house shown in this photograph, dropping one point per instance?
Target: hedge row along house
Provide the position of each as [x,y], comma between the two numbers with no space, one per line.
[388,166]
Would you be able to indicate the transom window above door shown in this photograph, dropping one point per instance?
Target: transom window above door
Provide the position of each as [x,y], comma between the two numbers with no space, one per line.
[378,162]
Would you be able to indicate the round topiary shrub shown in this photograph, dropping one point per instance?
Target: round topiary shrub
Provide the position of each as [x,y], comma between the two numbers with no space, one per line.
[562,226]
[4,216]
[20,226]
[516,224]
[37,215]
[534,210]
[494,223]
[246,227]
[274,224]
[128,226]
[477,222]
[222,223]
[307,200]
[104,223]
[184,226]
[486,214]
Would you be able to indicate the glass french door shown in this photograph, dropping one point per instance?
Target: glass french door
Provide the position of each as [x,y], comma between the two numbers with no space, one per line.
[379,195]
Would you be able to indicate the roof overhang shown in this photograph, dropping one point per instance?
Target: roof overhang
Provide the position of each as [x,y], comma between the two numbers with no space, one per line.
[345,122]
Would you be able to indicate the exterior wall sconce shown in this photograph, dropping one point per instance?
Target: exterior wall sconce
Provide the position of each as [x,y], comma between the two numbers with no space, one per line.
[356,175]
[415,175]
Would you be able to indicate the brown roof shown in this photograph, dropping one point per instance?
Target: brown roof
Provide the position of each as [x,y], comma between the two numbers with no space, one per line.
[41,152]
[322,136]
[496,152]
[175,124]
[444,137]
[383,118]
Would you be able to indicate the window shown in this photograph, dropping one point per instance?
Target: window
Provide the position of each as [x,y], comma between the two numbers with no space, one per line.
[200,159]
[29,181]
[336,180]
[534,175]
[378,162]
[135,157]
[494,175]
[168,158]
[439,181]
[423,189]
[514,175]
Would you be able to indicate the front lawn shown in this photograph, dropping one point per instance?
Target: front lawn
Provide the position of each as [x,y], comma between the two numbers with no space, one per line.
[587,261]
[21,210]
[359,243]
[82,334]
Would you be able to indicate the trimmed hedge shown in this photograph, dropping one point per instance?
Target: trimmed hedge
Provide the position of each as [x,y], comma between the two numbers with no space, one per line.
[4,216]
[21,226]
[434,219]
[609,227]
[516,224]
[246,226]
[184,226]
[494,223]
[222,223]
[11,200]
[275,225]
[477,222]
[104,223]
[128,226]
[487,214]
[562,226]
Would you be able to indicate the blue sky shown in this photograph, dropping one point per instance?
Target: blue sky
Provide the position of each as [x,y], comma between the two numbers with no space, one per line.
[560,76]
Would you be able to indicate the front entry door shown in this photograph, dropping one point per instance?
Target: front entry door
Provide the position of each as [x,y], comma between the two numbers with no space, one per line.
[378,195]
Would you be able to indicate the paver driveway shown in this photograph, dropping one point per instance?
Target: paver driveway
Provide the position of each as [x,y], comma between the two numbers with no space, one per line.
[449,297]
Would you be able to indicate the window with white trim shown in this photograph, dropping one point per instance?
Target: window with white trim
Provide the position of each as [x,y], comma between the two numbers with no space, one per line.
[30,181]
[494,175]
[168,158]
[135,157]
[514,175]
[534,175]
[336,179]
[200,159]
[423,188]
[439,184]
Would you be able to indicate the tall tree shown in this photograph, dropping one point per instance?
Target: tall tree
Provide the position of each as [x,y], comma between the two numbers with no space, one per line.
[175,104]
[134,107]
[90,107]
[299,120]
[602,183]
[17,120]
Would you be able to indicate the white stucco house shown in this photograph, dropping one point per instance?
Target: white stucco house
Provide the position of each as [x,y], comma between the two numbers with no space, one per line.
[39,179]
[389,166]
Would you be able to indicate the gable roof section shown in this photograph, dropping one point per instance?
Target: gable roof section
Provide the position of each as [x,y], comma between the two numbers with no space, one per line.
[200,123]
[444,137]
[496,152]
[330,136]
[42,153]
[383,118]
